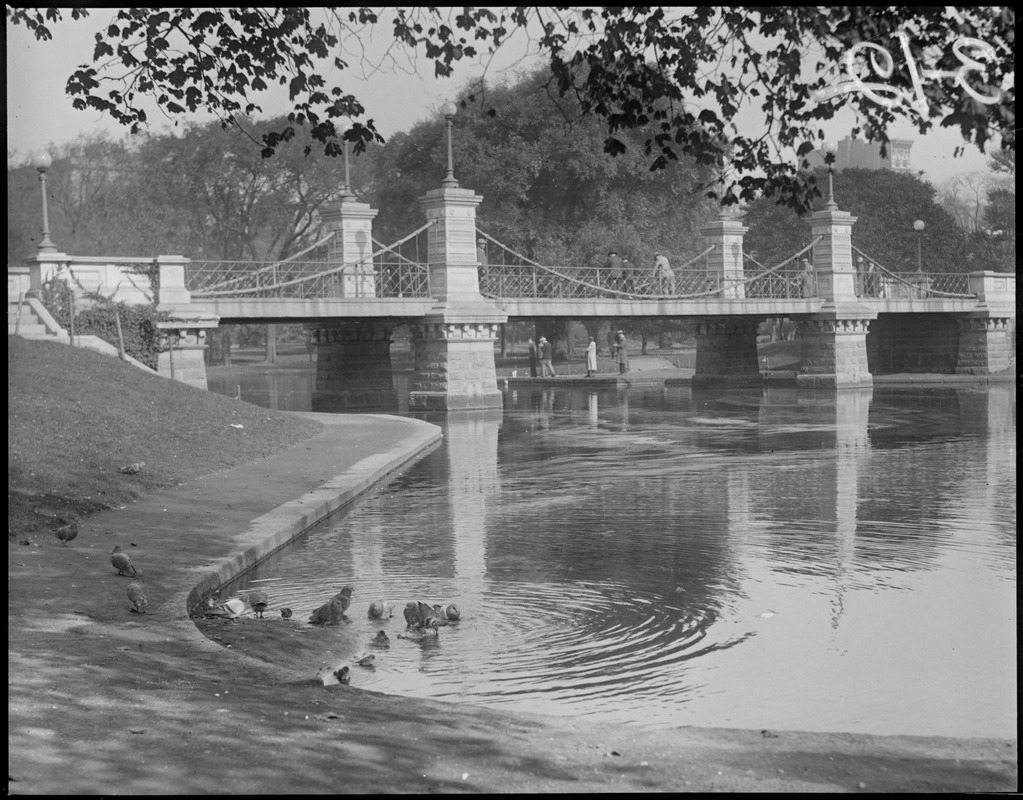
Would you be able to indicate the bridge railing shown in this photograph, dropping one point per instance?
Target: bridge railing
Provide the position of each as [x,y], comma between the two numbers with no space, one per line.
[876,281]
[387,272]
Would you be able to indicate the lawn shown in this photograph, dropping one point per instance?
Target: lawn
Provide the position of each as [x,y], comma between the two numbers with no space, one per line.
[74,417]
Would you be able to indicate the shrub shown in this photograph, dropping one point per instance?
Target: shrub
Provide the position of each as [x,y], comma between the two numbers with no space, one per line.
[99,317]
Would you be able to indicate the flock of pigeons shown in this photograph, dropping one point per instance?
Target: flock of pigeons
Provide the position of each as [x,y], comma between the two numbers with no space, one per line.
[421,618]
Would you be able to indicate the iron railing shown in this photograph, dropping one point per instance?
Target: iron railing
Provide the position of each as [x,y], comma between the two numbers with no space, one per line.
[387,272]
[876,281]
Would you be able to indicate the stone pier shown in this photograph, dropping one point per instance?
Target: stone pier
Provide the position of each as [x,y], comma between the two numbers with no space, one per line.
[726,352]
[353,366]
[986,334]
[834,340]
[182,339]
[454,342]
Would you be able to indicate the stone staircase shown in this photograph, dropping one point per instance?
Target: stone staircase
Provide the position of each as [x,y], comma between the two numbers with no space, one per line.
[31,321]
[36,323]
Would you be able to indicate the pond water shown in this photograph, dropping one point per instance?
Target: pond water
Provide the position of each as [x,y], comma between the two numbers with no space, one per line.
[669,557]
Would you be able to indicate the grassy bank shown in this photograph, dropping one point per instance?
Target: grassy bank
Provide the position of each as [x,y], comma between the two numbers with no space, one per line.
[74,417]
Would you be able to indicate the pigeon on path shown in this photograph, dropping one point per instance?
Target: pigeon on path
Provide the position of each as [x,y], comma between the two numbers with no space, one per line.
[122,561]
[65,533]
[137,593]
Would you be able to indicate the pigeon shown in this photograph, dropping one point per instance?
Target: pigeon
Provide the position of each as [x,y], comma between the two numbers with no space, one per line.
[122,561]
[381,640]
[259,601]
[413,618]
[345,596]
[428,614]
[65,533]
[367,661]
[137,593]
[451,612]
[343,675]
[378,609]
[234,607]
[285,613]
[132,469]
[330,613]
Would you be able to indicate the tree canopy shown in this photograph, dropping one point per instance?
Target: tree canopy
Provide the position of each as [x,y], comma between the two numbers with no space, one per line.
[886,204]
[684,76]
[549,190]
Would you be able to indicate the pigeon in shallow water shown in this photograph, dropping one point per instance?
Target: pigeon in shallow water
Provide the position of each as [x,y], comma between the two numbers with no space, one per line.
[332,612]
[413,618]
[285,613]
[122,562]
[381,640]
[378,609]
[137,593]
[258,600]
[343,675]
[65,533]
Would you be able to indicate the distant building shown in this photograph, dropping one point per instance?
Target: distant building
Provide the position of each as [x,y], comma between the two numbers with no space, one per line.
[867,155]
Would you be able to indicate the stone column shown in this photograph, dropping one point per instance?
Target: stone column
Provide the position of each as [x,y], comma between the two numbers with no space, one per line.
[41,267]
[352,224]
[454,342]
[834,340]
[353,366]
[725,262]
[726,352]
[182,338]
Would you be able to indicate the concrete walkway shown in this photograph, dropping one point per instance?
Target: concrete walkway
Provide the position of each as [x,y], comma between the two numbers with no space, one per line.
[102,700]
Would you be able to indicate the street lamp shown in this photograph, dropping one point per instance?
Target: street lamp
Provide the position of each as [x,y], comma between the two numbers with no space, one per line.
[918,226]
[830,148]
[449,110]
[346,190]
[42,163]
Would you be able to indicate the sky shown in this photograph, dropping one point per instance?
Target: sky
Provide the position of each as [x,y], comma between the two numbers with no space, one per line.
[40,114]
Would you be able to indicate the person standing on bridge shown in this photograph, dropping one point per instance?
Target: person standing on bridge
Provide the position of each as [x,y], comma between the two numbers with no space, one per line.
[533,360]
[546,358]
[808,278]
[615,270]
[663,274]
[591,358]
[481,257]
[622,352]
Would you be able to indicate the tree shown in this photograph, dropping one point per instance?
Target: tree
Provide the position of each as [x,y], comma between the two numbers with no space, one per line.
[683,74]
[550,192]
[886,204]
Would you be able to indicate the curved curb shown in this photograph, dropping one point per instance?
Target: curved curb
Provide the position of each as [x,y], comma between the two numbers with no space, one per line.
[277,528]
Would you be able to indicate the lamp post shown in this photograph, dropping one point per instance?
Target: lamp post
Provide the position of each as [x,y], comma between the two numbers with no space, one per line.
[42,164]
[919,226]
[449,110]
[830,148]
[346,190]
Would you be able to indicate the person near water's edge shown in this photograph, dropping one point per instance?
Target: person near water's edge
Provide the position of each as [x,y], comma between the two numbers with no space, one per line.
[591,358]
[621,350]
[546,357]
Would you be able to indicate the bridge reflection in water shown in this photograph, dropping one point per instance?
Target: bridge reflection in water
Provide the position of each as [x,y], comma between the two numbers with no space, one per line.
[667,556]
